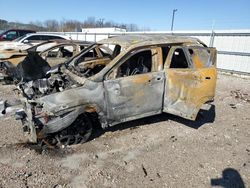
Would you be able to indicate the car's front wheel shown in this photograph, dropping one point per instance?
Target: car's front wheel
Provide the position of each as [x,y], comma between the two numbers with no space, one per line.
[78,132]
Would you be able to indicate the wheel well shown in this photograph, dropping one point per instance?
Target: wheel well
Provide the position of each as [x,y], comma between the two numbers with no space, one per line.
[94,117]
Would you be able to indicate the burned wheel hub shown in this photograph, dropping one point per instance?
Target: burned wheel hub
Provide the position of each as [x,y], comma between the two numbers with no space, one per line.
[79,132]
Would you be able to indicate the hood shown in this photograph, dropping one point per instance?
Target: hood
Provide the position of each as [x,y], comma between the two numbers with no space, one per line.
[5,54]
[89,93]
[5,45]
[63,100]
[33,67]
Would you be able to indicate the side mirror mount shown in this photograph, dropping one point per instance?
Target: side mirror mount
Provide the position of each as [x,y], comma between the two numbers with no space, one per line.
[26,41]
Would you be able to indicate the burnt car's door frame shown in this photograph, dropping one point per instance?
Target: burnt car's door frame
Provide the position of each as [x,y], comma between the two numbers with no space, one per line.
[100,59]
[75,49]
[58,60]
[187,89]
[135,96]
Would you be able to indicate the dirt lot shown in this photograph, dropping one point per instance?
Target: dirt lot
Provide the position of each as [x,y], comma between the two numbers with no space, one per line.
[160,151]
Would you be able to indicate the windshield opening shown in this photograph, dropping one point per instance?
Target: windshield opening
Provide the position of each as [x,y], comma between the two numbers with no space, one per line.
[93,59]
[2,32]
[20,38]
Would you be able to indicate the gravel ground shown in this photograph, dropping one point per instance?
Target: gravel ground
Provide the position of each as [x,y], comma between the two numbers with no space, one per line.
[160,151]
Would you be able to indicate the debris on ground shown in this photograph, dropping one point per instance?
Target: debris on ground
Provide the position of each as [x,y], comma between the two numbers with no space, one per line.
[238,94]
[114,158]
[144,170]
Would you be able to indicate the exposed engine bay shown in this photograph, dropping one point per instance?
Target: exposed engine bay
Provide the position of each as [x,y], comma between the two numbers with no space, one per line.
[56,80]
[36,79]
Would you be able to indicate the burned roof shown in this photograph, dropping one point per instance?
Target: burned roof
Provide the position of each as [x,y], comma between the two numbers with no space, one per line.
[141,40]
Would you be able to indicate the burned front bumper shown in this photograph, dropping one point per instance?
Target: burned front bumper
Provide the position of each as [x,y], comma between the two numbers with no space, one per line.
[37,126]
[25,115]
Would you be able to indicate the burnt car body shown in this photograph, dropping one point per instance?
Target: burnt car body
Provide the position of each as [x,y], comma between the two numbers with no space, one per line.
[145,75]
[54,52]
[45,49]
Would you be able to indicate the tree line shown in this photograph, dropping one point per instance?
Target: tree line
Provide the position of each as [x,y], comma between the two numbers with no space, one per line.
[68,25]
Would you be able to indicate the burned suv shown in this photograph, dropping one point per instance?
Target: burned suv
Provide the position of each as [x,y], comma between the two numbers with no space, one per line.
[145,75]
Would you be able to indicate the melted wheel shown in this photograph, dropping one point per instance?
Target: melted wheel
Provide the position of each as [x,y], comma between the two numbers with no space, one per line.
[79,132]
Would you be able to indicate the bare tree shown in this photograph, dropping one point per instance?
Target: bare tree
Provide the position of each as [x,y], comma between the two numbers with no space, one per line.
[3,24]
[72,25]
[132,27]
[69,25]
[100,22]
[90,22]
[51,25]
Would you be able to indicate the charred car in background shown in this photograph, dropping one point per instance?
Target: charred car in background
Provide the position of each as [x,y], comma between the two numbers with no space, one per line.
[54,52]
[145,75]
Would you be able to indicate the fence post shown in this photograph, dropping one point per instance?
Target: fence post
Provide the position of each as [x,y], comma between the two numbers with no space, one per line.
[212,36]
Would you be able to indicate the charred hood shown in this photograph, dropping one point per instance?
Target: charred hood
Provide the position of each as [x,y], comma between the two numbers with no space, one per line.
[33,67]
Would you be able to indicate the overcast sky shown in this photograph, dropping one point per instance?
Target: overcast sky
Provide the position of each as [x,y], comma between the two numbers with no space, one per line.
[155,14]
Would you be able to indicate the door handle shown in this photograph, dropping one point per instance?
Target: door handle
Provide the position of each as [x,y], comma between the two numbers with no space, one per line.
[158,79]
[207,77]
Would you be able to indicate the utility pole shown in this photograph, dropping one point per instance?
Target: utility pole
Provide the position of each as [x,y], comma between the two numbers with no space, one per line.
[172,26]
[101,22]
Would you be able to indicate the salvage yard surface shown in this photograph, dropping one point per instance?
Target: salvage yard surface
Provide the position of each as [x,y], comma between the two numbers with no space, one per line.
[159,151]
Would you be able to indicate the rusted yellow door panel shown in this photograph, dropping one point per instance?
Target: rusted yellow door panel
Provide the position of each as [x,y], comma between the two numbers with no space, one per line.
[188,89]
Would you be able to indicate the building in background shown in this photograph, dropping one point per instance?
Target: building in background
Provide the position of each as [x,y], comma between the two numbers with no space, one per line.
[103,30]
